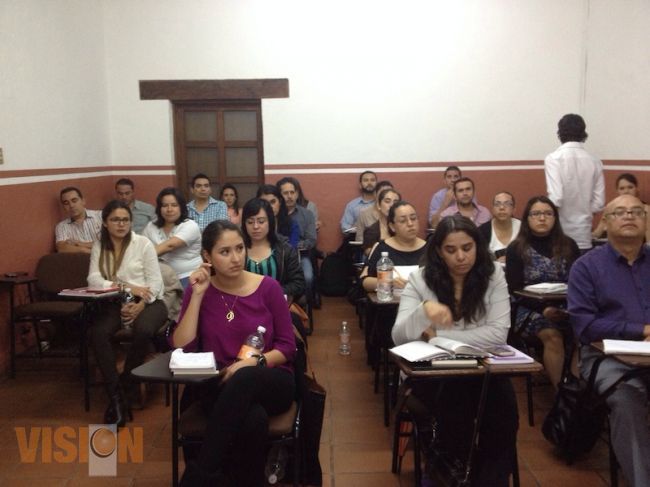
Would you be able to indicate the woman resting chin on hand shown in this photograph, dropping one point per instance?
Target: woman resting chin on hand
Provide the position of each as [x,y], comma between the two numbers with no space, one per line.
[460,294]
[222,307]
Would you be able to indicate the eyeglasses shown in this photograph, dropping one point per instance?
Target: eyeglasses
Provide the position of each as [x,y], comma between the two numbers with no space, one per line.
[503,204]
[118,221]
[259,221]
[623,212]
[539,214]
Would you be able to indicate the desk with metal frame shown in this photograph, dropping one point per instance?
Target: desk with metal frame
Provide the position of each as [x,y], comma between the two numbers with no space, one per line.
[377,331]
[157,371]
[89,301]
[485,371]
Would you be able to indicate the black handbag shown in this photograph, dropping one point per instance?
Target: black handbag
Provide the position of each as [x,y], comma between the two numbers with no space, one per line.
[311,425]
[576,419]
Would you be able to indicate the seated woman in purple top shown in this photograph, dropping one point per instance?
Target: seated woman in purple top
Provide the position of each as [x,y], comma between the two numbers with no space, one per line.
[222,307]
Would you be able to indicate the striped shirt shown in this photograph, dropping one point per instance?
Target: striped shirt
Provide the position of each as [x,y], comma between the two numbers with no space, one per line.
[266,267]
[86,231]
[216,210]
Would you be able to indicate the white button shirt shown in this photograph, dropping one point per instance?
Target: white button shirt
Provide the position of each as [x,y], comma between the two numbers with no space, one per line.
[574,181]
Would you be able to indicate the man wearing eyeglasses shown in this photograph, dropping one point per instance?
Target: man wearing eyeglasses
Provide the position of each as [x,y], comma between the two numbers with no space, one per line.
[574,180]
[77,232]
[609,297]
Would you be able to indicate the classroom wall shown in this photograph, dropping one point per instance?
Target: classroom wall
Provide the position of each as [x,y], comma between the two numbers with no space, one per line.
[402,88]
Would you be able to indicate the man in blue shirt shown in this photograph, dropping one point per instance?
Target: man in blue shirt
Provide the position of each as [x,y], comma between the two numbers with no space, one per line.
[204,209]
[609,297]
[367,182]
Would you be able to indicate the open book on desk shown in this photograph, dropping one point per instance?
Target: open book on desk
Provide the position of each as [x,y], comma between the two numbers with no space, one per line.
[547,288]
[438,348]
[196,363]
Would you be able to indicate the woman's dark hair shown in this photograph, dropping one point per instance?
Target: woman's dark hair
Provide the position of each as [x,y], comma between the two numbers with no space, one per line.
[283,220]
[439,280]
[230,186]
[213,232]
[630,178]
[251,209]
[107,243]
[391,213]
[560,243]
[180,199]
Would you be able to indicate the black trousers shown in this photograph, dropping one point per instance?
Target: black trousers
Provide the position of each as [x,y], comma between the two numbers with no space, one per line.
[107,322]
[454,404]
[236,438]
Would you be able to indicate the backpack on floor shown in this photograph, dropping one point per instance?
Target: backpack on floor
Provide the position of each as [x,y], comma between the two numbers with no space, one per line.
[576,419]
[335,275]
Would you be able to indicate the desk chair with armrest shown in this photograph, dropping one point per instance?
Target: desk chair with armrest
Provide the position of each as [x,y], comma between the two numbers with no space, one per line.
[54,272]
[284,429]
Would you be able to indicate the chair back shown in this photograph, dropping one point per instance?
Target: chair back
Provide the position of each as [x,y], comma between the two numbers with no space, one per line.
[62,271]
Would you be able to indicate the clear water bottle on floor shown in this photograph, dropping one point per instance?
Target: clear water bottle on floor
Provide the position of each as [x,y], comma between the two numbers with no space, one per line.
[276,463]
[384,278]
[344,334]
[254,344]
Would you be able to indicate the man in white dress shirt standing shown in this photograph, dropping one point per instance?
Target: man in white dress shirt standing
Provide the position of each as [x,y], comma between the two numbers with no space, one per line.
[574,180]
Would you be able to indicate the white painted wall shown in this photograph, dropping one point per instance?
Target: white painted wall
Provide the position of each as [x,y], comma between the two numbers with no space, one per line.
[53,104]
[370,81]
[618,87]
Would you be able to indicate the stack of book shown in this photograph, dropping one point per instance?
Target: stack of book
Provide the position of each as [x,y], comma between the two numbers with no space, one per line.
[198,363]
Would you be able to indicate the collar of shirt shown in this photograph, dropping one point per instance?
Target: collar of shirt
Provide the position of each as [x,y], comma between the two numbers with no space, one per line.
[86,216]
[211,201]
[643,252]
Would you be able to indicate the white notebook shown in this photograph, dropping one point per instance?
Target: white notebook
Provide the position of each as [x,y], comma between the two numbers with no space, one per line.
[626,347]
[197,363]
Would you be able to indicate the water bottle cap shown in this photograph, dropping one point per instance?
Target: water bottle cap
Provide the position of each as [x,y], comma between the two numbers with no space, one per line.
[344,323]
[384,254]
[127,289]
[261,329]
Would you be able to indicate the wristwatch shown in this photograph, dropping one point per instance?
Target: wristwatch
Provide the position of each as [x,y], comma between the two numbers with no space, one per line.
[261,360]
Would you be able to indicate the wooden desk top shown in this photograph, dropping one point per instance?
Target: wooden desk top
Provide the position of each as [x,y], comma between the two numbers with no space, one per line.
[631,360]
[13,280]
[547,297]
[157,370]
[372,298]
[507,369]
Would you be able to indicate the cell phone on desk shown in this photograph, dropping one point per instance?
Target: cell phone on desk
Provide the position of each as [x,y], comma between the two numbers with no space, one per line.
[501,351]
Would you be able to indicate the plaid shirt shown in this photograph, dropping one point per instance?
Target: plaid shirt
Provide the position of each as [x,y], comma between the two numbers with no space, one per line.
[216,210]
[87,231]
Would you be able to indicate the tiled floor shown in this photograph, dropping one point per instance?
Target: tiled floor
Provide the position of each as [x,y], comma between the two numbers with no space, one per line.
[355,448]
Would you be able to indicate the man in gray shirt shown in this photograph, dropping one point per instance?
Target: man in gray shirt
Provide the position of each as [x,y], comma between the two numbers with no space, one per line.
[142,212]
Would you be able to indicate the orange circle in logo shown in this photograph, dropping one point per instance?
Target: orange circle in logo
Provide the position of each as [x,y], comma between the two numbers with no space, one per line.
[103,442]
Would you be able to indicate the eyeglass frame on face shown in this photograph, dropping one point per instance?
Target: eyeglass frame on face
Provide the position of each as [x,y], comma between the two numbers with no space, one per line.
[119,221]
[537,214]
[261,220]
[621,212]
[503,204]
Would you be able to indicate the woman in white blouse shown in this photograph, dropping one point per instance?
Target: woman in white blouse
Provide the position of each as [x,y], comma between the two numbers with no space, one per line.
[177,239]
[461,294]
[122,257]
[503,228]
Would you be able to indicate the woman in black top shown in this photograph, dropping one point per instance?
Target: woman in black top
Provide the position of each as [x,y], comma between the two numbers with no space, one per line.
[541,253]
[267,255]
[404,247]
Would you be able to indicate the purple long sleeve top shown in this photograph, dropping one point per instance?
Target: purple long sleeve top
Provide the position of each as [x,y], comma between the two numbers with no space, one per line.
[266,306]
[608,298]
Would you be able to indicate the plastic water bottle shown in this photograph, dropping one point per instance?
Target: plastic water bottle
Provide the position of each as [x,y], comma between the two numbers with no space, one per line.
[254,344]
[344,334]
[384,278]
[127,297]
[276,463]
